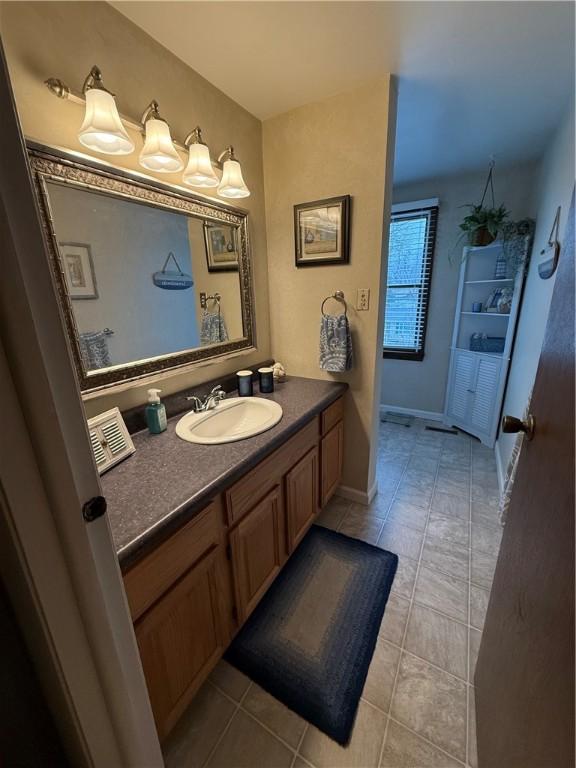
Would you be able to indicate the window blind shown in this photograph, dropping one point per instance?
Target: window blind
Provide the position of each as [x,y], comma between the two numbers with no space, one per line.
[410,256]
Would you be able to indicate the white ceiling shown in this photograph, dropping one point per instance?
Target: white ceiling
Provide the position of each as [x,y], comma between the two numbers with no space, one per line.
[475,78]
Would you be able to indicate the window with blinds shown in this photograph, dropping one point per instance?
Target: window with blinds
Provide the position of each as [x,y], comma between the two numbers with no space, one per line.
[410,257]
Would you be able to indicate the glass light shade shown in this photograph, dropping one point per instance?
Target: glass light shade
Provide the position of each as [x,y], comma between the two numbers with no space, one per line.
[102,129]
[199,171]
[158,152]
[232,184]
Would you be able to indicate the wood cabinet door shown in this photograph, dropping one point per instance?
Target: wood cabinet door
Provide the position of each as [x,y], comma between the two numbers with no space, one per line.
[257,552]
[180,639]
[332,454]
[301,497]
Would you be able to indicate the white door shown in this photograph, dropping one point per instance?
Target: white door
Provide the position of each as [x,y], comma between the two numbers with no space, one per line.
[485,389]
[463,374]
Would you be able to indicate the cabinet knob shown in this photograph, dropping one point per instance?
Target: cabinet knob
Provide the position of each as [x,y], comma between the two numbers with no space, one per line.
[511,424]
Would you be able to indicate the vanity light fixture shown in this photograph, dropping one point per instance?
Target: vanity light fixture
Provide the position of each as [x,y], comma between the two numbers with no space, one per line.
[232,184]
[158,153]
[199,171]
[102,129]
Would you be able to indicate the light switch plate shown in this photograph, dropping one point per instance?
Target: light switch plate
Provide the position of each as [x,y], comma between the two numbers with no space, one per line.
[363,299]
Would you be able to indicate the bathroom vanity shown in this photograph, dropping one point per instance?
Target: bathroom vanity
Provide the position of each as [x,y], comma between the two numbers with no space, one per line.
[202,531]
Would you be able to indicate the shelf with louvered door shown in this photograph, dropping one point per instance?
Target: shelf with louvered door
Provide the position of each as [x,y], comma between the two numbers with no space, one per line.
[482,341]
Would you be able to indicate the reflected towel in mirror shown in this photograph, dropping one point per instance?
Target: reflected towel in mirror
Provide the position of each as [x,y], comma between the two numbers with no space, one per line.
[94,350]
[335,343]
[213,328]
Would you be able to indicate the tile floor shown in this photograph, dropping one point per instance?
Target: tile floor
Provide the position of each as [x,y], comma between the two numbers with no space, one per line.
[437,509]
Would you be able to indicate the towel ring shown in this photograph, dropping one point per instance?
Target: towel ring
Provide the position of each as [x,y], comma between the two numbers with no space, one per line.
[338,296]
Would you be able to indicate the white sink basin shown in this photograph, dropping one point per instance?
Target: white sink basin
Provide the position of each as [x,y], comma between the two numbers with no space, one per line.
[229,421]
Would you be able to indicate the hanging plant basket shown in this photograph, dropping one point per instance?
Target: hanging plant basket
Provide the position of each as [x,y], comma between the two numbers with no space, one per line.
[481,236]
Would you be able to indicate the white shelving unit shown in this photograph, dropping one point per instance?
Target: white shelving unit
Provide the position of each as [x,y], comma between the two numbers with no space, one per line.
[476,380]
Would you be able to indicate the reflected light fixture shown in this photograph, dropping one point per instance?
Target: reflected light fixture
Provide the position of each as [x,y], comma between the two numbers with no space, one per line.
[158,153]
[102,129]
[232,184]
[199,171]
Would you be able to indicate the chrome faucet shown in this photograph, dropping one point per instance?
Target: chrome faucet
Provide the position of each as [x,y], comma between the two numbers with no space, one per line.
[210,401]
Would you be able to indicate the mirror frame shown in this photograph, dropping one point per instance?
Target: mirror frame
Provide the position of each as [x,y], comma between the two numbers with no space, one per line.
[49,164]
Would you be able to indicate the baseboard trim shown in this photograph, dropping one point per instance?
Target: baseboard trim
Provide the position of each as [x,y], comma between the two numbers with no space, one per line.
[499,468]
[429,415]
[360,497]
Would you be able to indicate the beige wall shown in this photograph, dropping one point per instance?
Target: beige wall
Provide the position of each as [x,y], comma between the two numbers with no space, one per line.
[554,187]
[227,284]
[421,385]
[64,39]
[332,147]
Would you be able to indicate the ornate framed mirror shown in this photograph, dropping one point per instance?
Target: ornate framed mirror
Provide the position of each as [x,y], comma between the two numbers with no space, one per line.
[149,277]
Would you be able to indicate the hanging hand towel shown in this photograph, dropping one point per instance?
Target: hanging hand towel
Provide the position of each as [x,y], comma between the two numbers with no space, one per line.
[213,329]
[335,344]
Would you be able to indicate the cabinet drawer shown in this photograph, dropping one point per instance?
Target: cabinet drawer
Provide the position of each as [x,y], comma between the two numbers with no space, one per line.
[242,496]
[151,577]
[332,415]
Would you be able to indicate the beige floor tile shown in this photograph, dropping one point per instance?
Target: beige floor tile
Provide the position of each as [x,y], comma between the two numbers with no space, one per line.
[403,583]
[272,713]
[363,751]
[333,513]
[455,460]
[452,530]
[299,762]
[423,463]
[446,556]
[366,528]
[452,506]
[482,568]
[408,514]
[229,680]
[401,540]
[381,674]
[403,749]
[453,481]
[432,703]
[381,502]
[488,480]
[472,752]
[419,496]
[478,606]
[442,592]
[198,729]
[485,539]
[488,496]
[246,744]
[419,478]
[437,639]
[484,514]
[394,621]
[475,637]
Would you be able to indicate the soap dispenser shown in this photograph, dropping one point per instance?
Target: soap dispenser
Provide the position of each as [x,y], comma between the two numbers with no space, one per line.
[155,413]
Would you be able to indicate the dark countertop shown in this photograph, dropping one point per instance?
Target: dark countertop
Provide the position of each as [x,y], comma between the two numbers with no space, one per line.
[167,481]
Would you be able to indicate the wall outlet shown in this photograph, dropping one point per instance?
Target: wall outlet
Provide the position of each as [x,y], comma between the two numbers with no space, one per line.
[363,299]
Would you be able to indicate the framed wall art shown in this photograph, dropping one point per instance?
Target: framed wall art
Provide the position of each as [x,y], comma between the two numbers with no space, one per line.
[78,268]
[221,247]
[322,232]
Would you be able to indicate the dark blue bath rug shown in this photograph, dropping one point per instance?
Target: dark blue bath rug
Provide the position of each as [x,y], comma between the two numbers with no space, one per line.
[310,641]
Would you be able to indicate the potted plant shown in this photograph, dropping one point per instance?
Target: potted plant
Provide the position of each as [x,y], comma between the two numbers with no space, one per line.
[482,225]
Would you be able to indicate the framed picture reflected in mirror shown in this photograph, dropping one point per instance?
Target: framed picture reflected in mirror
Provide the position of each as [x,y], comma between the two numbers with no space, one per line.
[322,232]
[221,247]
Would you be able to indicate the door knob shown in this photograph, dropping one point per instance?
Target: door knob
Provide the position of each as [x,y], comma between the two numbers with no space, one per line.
[512,424]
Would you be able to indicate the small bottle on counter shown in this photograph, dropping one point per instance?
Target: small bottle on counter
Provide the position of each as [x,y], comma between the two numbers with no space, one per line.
[155,413]
[266,377]
[244,379]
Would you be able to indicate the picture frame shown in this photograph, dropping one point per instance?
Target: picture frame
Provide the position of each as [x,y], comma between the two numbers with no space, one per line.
[78,268]
[322,232]
[221,247]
